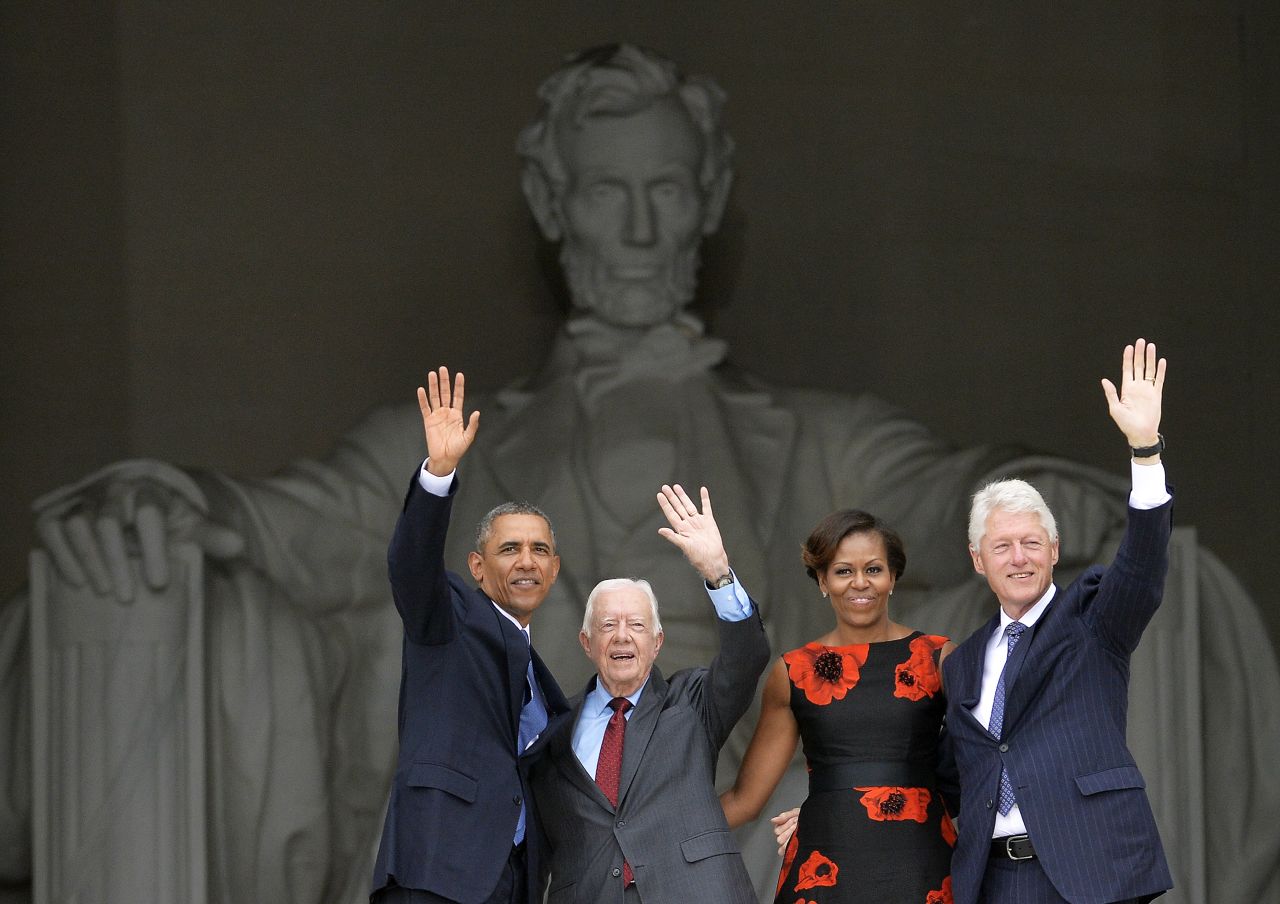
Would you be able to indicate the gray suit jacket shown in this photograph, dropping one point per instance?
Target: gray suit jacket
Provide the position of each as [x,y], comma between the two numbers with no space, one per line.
[668,823]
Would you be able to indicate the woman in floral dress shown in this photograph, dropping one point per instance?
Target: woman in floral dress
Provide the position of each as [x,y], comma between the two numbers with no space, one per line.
[866,699]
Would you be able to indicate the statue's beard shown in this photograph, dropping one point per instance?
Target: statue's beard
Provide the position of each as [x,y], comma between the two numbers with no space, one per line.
[630,302]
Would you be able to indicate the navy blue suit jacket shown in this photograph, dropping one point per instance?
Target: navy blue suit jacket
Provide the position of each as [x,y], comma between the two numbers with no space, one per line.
[459,782]
[1080,792]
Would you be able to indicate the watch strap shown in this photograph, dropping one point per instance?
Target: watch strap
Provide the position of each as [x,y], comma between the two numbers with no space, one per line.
[721,582]
[1148,451]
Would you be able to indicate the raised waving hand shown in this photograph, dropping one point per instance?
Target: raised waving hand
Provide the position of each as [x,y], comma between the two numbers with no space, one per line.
[448,435]
[695,533]
[1135,405]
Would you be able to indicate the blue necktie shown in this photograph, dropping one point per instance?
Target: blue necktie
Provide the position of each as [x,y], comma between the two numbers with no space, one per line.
[1014,630]
[533,718]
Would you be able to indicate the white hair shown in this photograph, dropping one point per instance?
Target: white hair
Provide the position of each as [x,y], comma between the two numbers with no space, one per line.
[621,584]
[1008,496]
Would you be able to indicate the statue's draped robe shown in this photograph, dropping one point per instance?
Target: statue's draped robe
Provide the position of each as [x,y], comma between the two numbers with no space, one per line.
[304,642]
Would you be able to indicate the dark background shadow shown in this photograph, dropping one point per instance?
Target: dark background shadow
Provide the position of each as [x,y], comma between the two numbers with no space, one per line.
[230,229]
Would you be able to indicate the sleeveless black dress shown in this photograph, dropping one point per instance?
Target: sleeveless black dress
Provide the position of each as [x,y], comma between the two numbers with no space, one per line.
[873,828]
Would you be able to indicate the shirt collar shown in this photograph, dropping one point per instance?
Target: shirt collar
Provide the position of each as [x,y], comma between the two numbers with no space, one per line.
[1032,615]
[509,617]
[598,700]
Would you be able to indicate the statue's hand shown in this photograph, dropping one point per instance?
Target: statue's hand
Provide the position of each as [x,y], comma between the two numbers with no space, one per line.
[1135,406]
[131,510]
[695,533]
[448,436]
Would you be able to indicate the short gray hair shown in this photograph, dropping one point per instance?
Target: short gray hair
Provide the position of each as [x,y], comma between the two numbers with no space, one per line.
[620,79]
[611,584]
[485,528]
[1008,496]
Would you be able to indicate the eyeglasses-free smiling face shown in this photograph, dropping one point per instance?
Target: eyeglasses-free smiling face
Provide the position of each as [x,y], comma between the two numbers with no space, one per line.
[1016,557]
[858,581]
[518,566]
[623,643]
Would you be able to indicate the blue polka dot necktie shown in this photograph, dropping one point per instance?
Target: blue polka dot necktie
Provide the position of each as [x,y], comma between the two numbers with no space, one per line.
[1014,630]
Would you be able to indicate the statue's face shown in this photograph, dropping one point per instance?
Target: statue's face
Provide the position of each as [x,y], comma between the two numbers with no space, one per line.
[633,213]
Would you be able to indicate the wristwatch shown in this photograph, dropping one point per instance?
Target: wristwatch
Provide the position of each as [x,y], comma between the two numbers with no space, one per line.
[721,582]
[1147,451]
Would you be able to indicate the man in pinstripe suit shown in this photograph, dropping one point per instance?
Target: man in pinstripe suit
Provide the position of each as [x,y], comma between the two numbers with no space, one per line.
[1052,805]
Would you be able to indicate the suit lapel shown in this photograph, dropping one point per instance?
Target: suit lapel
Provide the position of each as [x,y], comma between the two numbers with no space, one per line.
[1019,679]
[972,658]
[640,730]
[517,660]
[560,749]
[551,693]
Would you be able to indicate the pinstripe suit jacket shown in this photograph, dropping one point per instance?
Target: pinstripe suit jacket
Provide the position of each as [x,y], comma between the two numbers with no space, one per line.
[1078,788]
[668,823]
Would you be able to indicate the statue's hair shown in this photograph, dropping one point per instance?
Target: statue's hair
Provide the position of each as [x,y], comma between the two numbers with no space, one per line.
[618,80]
[620,584]
[1008,496]
[485,528]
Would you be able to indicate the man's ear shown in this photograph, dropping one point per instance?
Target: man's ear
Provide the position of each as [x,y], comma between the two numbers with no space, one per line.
[476,566]
[541,197]
[977,560]
[717,199]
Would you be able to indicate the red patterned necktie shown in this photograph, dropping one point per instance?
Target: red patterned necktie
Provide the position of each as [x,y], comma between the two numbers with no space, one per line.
[609,766]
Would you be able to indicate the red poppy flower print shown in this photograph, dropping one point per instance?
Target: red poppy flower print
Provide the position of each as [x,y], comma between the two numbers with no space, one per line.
[817,871]
[787,858]
[948,830]
[823,673]
[918,677]
[942,895]
[896,804]
[925,644]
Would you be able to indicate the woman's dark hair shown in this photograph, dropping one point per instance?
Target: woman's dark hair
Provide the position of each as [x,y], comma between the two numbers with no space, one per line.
[819,550]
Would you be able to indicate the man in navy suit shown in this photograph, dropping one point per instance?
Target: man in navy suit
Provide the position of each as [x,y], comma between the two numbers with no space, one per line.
[1052,806]
[474,694]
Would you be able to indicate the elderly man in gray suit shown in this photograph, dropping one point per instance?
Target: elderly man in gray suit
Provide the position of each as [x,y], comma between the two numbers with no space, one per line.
[625,781]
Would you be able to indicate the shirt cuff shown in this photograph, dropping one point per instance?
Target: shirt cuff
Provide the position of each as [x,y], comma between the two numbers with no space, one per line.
[436,486]
[1149,489]
[731,601]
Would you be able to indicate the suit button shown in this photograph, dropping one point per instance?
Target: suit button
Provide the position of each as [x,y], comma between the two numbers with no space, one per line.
[517,800]
[616,872]
[621,823]
[988,804]
[1004,748]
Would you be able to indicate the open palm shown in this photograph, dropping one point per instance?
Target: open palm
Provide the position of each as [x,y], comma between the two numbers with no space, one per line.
[448,435]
